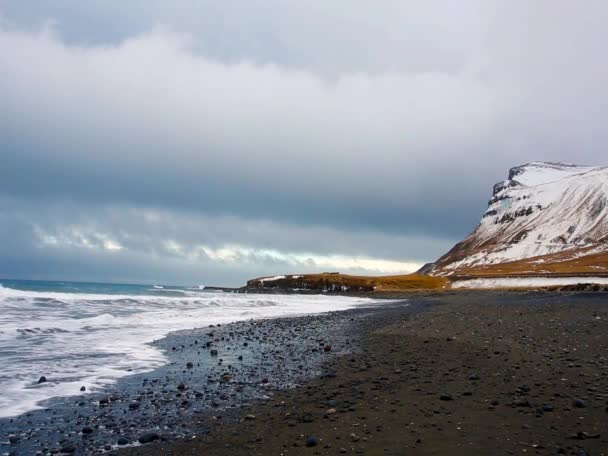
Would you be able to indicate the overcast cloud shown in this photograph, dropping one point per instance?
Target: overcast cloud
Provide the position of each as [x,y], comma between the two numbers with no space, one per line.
[203,141]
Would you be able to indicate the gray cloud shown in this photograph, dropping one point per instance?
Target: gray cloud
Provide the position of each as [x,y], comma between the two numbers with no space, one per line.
[342,36]
[330,129]
[148,121]
[70,239]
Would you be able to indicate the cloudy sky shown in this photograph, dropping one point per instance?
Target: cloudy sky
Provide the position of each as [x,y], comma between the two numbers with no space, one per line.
[199,141]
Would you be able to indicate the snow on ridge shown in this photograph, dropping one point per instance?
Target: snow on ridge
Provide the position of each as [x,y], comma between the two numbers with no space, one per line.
[539,173]
[279,277]
[272,279]
[543,209]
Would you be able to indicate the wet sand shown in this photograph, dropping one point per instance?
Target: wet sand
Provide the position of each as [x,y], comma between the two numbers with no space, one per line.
[485,373]
[211,372]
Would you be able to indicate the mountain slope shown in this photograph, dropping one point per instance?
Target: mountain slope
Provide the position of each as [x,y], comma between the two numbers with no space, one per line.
[545,218]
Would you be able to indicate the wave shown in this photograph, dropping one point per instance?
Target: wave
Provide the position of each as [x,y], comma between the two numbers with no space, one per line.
[92,339]
[49,296]
[169,291]
[38,331]
[65,325]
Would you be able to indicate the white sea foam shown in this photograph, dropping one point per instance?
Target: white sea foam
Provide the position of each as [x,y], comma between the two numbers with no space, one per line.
[77,339]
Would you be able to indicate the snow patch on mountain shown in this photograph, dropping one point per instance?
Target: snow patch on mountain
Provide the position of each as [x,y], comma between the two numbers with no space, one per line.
[272,279]
[538,173]
[528,282]
[541,209]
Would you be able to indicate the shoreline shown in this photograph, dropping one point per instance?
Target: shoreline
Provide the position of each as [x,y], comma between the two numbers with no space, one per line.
[210,371]
[475,373]
[452,372]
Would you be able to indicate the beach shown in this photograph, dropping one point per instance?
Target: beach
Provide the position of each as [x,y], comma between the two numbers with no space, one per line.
[210,370]
[468,373]
[464,372]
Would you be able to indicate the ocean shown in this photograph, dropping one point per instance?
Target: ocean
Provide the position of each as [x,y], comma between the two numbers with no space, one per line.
[90,334]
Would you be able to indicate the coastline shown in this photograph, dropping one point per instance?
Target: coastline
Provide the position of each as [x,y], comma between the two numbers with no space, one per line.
[462,372]
[211,371]
[476,373]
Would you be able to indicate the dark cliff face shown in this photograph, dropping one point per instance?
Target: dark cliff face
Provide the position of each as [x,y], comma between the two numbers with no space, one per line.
[329,282]
[500,186]
[516,171]
[542,208]
[341,283]
[500,192]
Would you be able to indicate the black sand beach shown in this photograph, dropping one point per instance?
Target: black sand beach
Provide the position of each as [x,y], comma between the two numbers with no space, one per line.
[449,374]
[211,372]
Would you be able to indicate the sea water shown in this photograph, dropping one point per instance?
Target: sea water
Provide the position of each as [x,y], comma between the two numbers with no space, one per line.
[90,334]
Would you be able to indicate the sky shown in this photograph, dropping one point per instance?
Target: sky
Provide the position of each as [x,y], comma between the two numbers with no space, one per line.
[205,142]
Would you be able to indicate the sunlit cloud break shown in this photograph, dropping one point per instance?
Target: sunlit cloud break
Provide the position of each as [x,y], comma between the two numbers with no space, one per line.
[238,254]
[231,255]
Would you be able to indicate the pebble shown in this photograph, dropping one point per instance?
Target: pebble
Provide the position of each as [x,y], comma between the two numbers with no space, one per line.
[579,403]
[148,437]
[312,441]
[68,449]
[173,394]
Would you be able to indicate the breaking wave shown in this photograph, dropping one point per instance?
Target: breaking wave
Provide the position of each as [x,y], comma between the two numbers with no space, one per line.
[92,339]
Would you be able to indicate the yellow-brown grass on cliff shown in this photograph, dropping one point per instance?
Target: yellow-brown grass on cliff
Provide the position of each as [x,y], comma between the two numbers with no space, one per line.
[563,263]
[408,282]
[379,283]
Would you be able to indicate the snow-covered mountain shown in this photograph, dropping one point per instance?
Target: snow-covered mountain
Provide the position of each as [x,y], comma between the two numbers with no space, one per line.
[545,218]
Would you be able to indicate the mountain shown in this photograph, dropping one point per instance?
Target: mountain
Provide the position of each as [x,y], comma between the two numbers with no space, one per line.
[546,218]
[545,225]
